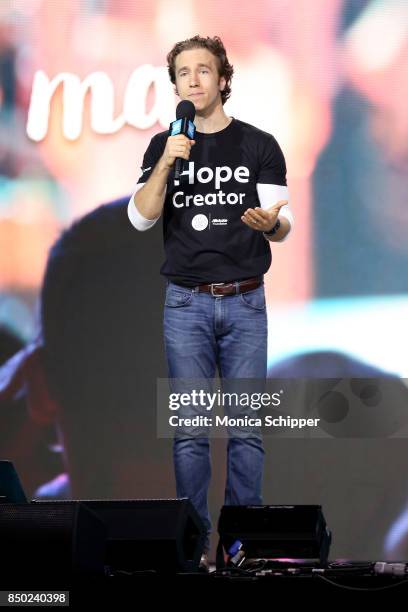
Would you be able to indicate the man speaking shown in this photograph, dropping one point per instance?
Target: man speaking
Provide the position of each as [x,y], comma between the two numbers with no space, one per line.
[222,191]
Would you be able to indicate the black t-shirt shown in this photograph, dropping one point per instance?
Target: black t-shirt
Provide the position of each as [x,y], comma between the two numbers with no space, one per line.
[205,240]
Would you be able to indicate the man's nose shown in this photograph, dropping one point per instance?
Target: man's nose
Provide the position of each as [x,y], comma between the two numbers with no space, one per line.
[193,80]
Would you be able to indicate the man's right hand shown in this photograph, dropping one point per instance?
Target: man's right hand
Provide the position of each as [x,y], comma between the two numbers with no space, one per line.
[176,146]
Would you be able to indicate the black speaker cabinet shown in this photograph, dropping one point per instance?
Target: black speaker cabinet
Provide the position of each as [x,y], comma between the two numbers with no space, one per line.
[53,543]
[164,535]
[274,532]
[11,489]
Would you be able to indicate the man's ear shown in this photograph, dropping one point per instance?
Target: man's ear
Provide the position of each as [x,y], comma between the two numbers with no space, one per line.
[42,408]
[222,84]
[24,374]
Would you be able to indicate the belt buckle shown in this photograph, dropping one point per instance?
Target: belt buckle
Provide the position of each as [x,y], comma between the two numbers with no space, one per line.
[212,290]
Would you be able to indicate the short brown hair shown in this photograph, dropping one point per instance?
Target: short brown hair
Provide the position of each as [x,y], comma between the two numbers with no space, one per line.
[216,47]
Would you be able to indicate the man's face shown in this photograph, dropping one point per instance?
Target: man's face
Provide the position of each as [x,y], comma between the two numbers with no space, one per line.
[197,78]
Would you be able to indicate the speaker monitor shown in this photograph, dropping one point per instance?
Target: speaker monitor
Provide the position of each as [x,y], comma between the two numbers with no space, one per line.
[49,544]
[11,490]
[274,532]
[165,535]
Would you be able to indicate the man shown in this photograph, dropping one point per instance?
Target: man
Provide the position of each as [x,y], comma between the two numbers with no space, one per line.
[216,243]
[87,381]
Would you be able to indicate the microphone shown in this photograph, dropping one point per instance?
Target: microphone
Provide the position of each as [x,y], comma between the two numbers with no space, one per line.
[185,113]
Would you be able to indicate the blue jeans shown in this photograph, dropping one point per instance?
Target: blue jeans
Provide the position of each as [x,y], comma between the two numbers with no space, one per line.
[202,332]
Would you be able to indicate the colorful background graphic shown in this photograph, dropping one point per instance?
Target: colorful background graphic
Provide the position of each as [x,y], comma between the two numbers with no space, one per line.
[84,87]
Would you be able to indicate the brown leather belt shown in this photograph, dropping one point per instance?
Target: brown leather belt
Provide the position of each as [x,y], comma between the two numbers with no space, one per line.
[220,289]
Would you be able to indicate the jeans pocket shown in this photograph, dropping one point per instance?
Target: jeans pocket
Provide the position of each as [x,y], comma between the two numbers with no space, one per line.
[254,299]
[175,298]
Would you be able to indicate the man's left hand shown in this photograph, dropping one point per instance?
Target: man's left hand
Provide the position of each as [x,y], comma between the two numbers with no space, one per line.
[263,219]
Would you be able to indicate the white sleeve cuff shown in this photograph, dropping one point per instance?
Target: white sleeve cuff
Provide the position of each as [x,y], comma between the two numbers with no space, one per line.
[270,194]
[136,218]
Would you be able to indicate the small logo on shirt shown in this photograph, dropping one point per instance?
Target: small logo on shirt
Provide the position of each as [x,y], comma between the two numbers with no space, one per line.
[145,169]
[219,221]
[199,222]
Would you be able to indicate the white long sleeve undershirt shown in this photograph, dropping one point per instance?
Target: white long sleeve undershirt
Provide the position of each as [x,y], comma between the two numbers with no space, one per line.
[268,195]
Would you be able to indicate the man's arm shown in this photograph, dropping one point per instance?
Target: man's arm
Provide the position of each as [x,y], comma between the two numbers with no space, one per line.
[282,232]
[273,194]
[264,218]
[148,198]
[276,193]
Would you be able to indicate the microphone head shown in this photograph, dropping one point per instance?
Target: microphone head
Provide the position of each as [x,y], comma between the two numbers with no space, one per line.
[185,108]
